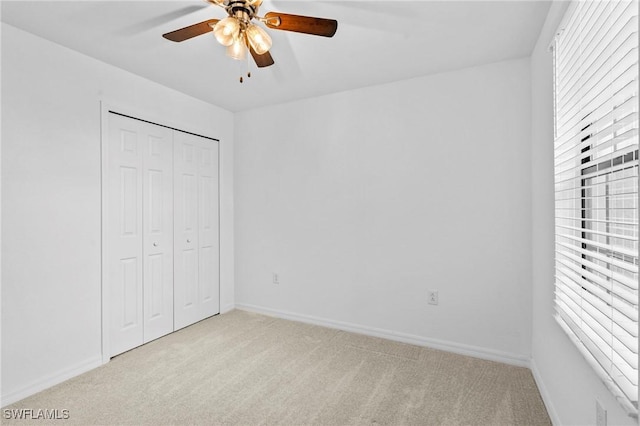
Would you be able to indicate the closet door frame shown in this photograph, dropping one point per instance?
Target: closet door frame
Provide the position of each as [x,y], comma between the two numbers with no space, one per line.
[108,106]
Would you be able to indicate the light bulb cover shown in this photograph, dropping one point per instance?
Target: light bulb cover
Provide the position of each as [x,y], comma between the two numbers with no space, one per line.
[258,39]
[238,49]
[226,30]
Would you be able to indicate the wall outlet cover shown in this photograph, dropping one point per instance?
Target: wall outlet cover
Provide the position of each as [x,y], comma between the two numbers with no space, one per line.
[432,297]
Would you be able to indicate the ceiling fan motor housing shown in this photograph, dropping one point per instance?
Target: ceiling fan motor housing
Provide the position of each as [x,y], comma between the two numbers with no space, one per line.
[242,10]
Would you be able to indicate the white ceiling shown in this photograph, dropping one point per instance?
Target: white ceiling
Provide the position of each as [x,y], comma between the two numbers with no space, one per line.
[376,42]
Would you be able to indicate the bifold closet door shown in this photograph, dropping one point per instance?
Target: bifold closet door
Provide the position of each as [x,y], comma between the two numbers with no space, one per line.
[139,232]
[196,249]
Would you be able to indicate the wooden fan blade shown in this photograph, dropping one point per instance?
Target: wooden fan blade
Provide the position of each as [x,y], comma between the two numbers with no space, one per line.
[301,24]
[263,60]
[191,31]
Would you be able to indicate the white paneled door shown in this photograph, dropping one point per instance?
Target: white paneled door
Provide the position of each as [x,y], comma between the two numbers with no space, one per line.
[139,231]
[161,231]
[124,236]
[157,209]
[196,249]
[208,231]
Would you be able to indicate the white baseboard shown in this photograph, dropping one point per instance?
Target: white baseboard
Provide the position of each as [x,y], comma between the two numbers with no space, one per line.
[458,348]
[227,308]
[50,380]
[546,398]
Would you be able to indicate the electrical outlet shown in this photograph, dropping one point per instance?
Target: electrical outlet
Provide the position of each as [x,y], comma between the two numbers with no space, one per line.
[276,278]
[601,415]
[432,297]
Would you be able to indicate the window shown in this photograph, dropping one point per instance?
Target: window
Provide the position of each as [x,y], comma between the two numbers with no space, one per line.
[596,188]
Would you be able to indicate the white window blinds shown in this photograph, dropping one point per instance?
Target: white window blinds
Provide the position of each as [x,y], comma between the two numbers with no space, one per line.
[596,188]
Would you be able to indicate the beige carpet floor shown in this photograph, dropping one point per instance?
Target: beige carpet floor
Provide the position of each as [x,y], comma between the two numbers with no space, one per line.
[247,369]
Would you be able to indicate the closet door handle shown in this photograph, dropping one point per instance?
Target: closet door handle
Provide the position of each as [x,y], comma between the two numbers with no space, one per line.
[188,240]
[155,244]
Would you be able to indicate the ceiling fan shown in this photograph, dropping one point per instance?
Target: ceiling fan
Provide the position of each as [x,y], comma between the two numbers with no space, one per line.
[239,32]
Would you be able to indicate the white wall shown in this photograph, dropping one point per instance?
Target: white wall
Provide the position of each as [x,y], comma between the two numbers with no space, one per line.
[568,385]
[363,200]
[51,300]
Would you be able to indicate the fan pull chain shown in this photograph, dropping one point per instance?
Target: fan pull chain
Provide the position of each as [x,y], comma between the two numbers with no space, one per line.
[241,78]
[249,64]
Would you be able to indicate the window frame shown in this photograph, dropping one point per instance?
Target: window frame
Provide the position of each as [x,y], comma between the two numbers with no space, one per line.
[587,171]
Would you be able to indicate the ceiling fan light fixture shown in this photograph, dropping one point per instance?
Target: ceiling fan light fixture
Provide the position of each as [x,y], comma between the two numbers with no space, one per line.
[227,30]
[259,39]
[238,49]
